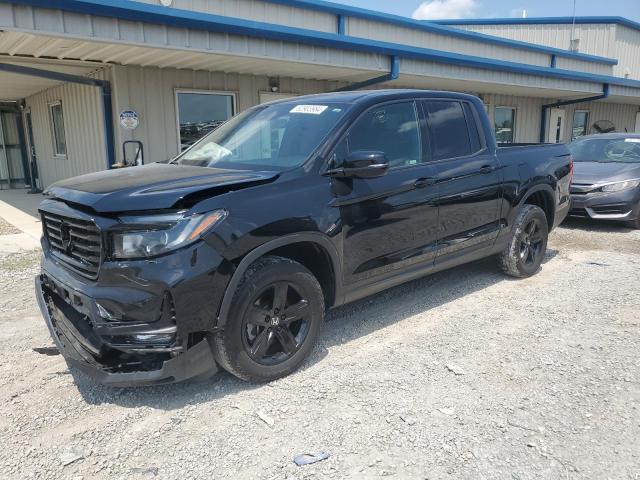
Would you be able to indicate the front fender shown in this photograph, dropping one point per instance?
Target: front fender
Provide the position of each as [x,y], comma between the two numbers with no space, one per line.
[317,238]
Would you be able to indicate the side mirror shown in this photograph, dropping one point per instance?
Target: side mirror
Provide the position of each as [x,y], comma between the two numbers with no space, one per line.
[362,164]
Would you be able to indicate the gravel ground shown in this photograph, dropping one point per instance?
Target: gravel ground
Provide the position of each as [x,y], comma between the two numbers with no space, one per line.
[463,375]
[6,228]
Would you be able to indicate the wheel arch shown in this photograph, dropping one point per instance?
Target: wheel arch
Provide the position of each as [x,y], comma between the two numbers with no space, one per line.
[542,196]
[327,267]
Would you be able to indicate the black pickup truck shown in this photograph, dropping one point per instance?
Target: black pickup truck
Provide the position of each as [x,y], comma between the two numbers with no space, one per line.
[230,254]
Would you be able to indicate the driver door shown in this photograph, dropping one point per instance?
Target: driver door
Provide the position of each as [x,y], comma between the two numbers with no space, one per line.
[389,223]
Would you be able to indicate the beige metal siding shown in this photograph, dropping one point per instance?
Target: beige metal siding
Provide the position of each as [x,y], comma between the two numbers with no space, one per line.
[628,52]
[151,93]
[260,11]
[358,27]
[595,39]
[528,112]
[84,131]
[606,40]
[622,116]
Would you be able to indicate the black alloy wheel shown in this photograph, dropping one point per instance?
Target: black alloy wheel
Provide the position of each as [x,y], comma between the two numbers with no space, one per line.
[275,318]
[276,324]
[531,242]
[525,252]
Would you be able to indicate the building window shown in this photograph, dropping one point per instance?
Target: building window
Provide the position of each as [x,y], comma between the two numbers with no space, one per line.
[200,112]
[580,123]
[57,130]
[504,124]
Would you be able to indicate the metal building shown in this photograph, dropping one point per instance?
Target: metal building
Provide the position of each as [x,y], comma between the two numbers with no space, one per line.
[86,83]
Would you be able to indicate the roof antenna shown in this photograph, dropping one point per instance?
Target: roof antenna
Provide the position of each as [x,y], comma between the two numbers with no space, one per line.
[574,43]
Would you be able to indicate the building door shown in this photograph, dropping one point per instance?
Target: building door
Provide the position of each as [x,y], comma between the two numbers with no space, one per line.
[31,151]
[637,129]
[12,168]
[556,125]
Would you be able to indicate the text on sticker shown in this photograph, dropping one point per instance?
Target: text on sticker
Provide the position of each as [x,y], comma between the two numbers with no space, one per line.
[311,109]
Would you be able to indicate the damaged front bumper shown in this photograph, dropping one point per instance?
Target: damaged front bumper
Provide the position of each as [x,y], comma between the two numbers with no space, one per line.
[90,347]
[138,322]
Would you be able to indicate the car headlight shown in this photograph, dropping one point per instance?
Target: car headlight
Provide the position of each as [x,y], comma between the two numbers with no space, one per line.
[618,186]
[149,236]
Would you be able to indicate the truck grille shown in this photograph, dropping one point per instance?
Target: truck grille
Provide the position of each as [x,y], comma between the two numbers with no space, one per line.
[77,242]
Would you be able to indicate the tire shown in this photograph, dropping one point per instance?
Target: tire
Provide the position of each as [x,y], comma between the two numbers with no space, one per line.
[528,245]
[254,344]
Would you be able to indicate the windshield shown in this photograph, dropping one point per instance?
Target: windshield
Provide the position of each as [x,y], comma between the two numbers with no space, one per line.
[622,150]
[270,137]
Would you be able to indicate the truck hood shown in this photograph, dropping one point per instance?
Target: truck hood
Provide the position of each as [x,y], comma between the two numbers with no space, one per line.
[604,172]
[153,186]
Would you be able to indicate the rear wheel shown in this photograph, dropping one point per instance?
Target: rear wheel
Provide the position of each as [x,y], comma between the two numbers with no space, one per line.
[274,321]
[525,252]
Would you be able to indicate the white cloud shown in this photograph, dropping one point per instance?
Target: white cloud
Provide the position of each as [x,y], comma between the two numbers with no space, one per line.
[438,9]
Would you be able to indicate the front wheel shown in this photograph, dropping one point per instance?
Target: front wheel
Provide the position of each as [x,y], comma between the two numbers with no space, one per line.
[525,252]
[274,321]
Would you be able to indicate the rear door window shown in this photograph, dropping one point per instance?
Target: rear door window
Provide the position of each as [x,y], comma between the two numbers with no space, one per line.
[448,128]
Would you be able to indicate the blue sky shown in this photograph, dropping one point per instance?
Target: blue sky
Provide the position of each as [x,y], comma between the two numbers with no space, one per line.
[501,8]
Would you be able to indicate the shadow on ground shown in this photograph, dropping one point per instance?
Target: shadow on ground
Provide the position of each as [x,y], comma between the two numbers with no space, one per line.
[605,226]
[343,325]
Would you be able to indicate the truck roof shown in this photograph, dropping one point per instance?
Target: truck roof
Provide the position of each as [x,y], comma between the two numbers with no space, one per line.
[357,96]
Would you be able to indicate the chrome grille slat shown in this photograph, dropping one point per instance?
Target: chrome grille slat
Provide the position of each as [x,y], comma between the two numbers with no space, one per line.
[84,252]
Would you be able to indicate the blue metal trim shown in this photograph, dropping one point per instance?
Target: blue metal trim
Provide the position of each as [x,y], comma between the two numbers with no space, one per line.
[115,7]
[543,117]
[394,73]
[107,112]
[554,61]
[341,24]
[105,92]
[395,67]
[543,20]
[141,12]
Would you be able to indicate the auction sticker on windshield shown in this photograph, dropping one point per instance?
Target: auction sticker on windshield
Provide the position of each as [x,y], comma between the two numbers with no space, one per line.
[311,109]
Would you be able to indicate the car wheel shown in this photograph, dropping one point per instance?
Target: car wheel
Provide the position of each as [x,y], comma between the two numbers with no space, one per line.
[525,252]
[276,315]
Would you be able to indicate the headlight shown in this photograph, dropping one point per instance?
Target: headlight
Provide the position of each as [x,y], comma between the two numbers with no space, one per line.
[616,187]
[152,235]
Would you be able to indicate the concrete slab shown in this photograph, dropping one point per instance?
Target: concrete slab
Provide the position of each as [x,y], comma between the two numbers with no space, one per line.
[17,242]
[21,210]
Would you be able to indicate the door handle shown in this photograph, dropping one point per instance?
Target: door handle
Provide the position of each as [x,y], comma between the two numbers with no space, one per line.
[424,182]
[487,169]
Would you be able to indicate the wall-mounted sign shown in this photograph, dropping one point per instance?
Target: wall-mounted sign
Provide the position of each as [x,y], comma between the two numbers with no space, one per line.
[129,119]
[166,3]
